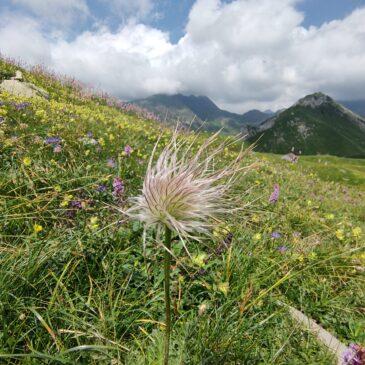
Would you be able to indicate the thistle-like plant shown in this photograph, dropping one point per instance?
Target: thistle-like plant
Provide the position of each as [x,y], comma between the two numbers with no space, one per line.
[183,193]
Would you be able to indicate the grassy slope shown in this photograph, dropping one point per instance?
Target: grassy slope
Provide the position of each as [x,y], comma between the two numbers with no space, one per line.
[83,278]
[328,134]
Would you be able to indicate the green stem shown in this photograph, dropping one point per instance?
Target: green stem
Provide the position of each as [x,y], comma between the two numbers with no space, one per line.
[167,265]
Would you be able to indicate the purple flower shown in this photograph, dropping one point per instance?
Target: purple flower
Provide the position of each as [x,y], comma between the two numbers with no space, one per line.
[21,106]
[89,135]
[76,204]
[275,235]
[354,355]
[52,140]
[111,162]
[57,149]
[282,249]
[275,194]
[101,188]
[128,150]
[118,187]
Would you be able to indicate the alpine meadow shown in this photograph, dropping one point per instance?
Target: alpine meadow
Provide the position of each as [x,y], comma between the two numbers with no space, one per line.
[182,183]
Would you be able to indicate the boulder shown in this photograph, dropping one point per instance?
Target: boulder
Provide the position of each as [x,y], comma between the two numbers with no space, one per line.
[25,89]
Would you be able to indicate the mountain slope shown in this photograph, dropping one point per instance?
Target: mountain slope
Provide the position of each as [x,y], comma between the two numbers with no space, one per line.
[356,106]
[316,124]
[201,110]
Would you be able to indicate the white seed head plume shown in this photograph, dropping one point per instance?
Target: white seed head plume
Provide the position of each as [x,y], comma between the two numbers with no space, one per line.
[184,191]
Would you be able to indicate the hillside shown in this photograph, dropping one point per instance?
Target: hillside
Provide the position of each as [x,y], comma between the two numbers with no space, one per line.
[356,106]
[77,286]
[201,110]
[316,124]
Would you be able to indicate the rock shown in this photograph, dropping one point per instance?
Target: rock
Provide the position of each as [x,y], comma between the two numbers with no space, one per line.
[25,89]
[18,76]
[291,157]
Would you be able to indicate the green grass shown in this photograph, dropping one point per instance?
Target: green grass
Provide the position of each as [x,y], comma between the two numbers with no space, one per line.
[82,291]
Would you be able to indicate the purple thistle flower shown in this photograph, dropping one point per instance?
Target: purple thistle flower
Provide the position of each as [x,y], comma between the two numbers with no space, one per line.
[128,150]
[111,163]
[52,140]
[282,249]
[275,235]
[354,355]
[101,188]
[118,187]
[275,194]
[57,149]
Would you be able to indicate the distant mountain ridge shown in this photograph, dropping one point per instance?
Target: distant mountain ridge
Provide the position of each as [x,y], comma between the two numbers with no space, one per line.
[201,110]
[315,124]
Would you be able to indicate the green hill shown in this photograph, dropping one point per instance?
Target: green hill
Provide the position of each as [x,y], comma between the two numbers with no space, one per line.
[200,109]
[76,286]
[316,124]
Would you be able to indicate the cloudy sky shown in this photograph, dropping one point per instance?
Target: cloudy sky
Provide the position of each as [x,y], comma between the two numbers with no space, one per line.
[241,53]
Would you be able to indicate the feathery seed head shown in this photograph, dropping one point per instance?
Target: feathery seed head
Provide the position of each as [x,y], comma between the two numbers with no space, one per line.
[184,191]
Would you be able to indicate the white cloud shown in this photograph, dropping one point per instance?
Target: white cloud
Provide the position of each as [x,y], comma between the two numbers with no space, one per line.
[243,54]
[62,12]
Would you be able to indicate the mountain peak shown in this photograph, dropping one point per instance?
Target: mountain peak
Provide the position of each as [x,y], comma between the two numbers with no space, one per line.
[315,100]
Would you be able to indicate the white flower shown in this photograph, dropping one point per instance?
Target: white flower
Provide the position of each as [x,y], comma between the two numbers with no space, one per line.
[184,191]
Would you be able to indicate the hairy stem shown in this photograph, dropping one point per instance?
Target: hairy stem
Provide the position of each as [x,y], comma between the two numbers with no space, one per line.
[167,266]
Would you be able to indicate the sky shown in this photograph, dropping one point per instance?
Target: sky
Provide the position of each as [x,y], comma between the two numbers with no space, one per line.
[243,54]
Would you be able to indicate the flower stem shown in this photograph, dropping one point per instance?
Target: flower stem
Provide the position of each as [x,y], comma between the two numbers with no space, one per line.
[167,266]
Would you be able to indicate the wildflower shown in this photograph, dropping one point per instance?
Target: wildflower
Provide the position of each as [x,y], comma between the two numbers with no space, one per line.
[312,255]
[118,187]
[223,287]
[128,150]
[58,188]
[52,140]
[76,204]
[257,237]
[340,234]
[2,120]
[93,224]
[356,232]
[37,228]
[89,135]
[199,259]
[330,216]
[275,235]
[57,149]
[183,193]
[101,188]
[202,309]
[354,355]
[275,194]
[111,163]
[282,249]
[27,161]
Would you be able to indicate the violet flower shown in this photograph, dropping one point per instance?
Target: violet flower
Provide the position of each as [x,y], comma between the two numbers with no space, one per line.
[354,355]
[275,235]
[118,187]
[128,150]
[282,249]
[111,163]
[275,194]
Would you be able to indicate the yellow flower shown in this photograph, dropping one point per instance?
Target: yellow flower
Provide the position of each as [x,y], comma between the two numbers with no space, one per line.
[223,287]
[94,223]
[255,218]
[37,228]
[356,232]
[257,237]
[340,234]
[312,256]
[27,161]
[199,259]
[101,141]
[58,188]
[87,152]
[330,216]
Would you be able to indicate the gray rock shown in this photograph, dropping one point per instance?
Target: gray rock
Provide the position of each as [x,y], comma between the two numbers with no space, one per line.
[25,89]
[18,76]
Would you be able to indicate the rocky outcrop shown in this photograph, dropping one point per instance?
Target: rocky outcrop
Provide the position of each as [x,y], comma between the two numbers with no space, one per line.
[17,87]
